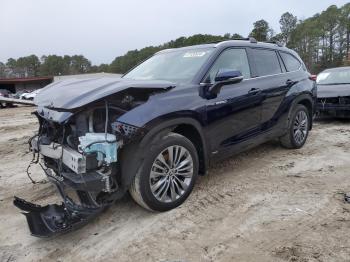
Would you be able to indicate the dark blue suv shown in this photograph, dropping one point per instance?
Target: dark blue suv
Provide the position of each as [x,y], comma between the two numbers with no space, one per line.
[162,124]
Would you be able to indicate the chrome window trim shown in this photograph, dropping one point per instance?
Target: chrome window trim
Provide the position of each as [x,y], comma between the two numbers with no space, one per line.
[272,75]
[258,77]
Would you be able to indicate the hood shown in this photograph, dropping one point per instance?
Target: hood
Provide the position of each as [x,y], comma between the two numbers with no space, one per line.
[74,93]
[324,91]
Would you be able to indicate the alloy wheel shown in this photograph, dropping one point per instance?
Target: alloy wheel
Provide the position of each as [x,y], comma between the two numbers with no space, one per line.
[300,128]
[171,174]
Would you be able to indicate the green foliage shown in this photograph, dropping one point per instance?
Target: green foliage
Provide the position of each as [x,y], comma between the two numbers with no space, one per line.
[30,66]
[261,30]
[288,24]
[322,41]
[24,66]
[54,65]
[79,65]
[2,70]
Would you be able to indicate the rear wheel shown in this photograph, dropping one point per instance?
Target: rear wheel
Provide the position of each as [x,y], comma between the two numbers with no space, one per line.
[298,128]
[167,175]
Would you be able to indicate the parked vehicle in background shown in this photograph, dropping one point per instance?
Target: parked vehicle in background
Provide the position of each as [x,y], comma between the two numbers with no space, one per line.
[333,92]
[22,96]
[7,94]
[30,95]
[19,93]
[154,130]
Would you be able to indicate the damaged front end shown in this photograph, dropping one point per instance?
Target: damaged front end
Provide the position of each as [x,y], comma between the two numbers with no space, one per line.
[80,156]
[334,106]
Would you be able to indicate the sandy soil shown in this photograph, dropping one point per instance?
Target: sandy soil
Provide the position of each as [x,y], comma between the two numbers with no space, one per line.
[268,204]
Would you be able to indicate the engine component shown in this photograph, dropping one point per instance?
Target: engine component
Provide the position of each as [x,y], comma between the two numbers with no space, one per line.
[71,158]
[105,145]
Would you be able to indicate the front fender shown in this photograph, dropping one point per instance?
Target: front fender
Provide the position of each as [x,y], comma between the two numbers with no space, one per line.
[133,155]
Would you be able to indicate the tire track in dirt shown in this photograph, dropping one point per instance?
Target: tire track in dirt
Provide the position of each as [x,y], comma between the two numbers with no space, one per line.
[268,204]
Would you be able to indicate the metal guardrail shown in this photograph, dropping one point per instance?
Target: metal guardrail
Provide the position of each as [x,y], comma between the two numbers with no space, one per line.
[16,101]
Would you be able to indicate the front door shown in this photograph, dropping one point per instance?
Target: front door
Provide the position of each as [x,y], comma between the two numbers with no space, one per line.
[235,114]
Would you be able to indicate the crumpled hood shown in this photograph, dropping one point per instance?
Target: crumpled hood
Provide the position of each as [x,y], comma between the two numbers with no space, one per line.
[324,91]
[75,93]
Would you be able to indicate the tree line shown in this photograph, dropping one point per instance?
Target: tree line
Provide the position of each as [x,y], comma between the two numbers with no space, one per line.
[322,41]
[32,66]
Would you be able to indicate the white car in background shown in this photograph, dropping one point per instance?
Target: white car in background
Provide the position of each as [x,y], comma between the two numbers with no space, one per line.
[31,95]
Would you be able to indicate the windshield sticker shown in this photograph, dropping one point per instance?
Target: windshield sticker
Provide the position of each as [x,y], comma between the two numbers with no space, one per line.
[194,54]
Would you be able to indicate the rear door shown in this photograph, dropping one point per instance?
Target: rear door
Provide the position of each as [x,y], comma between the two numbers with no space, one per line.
[269,75]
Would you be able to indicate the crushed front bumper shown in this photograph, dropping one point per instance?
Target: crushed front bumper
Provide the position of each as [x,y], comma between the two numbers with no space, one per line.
[54,219]
[334,106]
[332,110]
[51,220]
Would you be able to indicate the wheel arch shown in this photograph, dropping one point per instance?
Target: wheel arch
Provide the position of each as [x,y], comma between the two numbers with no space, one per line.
[132,155]
[307,101]
[189,128]
[308,104]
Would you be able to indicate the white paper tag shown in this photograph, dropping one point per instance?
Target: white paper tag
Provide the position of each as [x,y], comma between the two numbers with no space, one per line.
[194,54]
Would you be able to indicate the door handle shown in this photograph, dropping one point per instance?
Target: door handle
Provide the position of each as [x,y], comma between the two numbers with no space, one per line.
[254,91]
[290,82]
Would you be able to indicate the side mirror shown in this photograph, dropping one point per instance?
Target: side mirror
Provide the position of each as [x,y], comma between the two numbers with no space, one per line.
[222,78]
[227,75]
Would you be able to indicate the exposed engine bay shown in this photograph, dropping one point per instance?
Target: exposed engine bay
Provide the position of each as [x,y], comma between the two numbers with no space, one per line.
[80,156]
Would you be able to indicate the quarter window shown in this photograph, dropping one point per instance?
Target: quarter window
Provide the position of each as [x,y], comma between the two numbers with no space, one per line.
[234,59]
[291,63]
[266,62]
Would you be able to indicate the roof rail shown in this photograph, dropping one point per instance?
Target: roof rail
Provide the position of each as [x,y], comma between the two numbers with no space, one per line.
[250,39]
[275,42]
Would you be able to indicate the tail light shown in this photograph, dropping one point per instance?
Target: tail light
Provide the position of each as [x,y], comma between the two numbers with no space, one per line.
[313,77]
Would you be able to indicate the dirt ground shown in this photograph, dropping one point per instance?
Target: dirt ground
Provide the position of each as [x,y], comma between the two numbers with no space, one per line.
[268,204]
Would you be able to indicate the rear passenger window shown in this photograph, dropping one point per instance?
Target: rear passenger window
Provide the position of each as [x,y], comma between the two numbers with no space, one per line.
[266,62]
[291,63]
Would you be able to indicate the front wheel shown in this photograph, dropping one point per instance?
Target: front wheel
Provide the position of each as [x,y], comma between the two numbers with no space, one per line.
[167,174]
[298,128]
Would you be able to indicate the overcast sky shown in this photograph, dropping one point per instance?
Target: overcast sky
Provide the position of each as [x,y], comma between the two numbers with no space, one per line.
[104,29]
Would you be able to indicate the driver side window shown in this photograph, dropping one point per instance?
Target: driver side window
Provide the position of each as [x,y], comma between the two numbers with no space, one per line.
[234,59]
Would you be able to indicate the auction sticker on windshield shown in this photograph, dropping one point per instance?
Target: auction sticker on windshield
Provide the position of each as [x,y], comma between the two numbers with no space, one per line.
[194,54]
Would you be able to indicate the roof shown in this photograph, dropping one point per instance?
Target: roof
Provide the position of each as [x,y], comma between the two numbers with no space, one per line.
[26,80]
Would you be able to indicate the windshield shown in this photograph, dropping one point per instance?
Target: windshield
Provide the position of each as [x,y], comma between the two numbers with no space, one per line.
[334,77]
[176,66]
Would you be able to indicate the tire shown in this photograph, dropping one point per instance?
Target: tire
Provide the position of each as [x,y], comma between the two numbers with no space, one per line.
[295,139]
[171,192]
